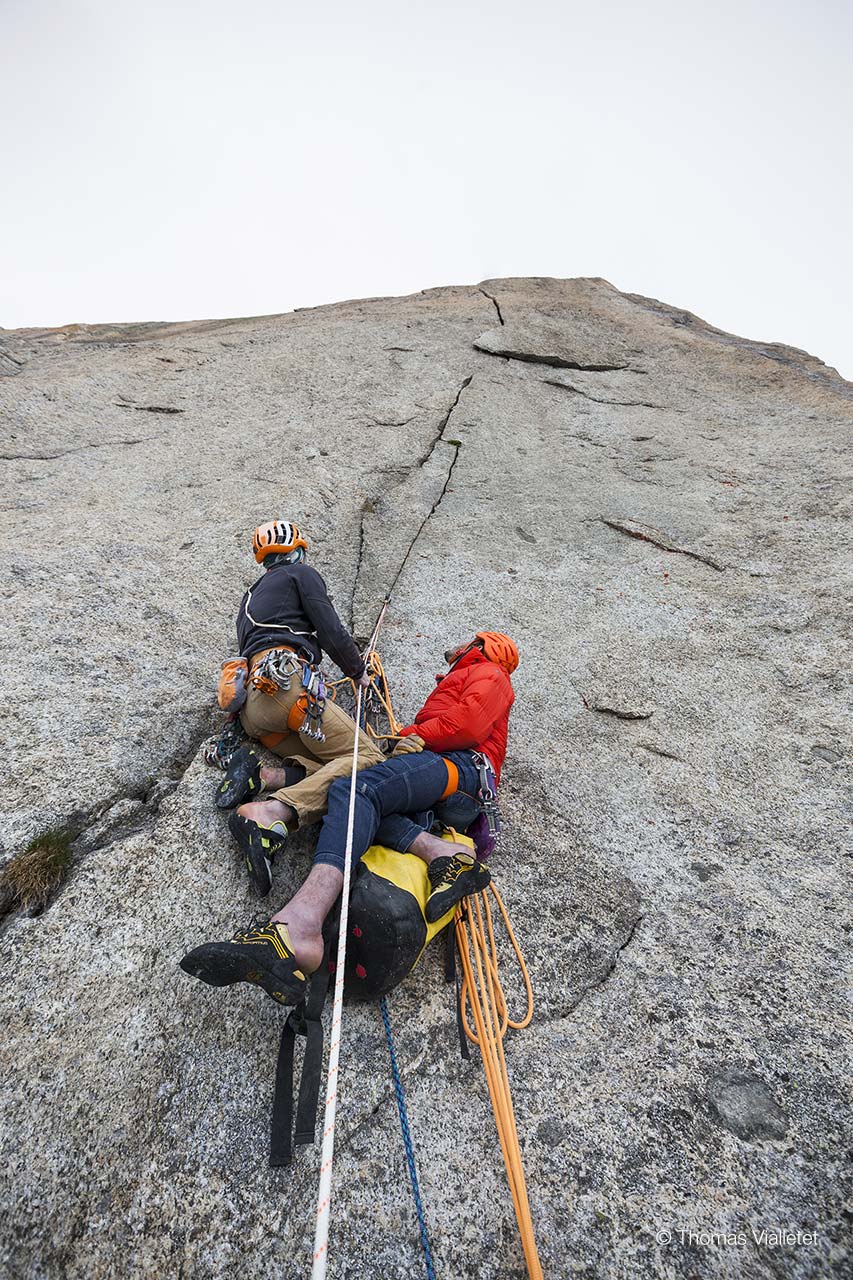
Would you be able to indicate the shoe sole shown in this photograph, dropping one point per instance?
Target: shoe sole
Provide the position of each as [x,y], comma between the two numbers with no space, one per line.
[462,889]
[221,964]
[260,872]
[258,857]
[244,783]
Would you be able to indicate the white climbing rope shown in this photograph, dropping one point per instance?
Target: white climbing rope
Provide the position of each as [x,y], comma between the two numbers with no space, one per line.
[327,1155]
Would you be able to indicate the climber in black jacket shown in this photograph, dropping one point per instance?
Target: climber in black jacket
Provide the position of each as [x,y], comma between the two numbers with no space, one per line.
[285,623]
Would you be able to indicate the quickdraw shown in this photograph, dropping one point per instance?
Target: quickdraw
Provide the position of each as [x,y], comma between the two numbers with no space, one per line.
[275,671]
[488,796]
[314,692]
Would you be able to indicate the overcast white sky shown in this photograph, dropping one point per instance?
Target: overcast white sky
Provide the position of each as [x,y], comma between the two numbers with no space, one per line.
[189,159]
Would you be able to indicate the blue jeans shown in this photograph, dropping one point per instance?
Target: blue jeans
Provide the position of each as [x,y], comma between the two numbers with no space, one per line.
[399,830]
[407,785]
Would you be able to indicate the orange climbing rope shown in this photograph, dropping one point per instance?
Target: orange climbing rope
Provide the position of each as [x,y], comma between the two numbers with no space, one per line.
[483,994]
[378,692]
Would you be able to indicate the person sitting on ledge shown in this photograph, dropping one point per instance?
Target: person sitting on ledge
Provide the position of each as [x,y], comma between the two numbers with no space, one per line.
[461,727]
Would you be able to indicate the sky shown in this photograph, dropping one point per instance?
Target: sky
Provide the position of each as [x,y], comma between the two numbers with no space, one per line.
[198,159]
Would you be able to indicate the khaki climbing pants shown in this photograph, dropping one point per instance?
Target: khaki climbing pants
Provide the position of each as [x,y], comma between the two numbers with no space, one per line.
[265,716]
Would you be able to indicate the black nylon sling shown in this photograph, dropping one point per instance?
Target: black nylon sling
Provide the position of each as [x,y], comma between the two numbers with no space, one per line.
[303,1020]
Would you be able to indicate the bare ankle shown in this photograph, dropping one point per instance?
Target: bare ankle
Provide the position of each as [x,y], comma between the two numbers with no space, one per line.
[306,936]
[273,777]
[428,847]
[265,812]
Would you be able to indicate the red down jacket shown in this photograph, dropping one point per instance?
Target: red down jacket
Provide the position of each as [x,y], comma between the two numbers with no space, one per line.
[468,709]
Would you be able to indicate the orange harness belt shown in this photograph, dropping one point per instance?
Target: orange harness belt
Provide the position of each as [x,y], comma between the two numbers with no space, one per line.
[452,779]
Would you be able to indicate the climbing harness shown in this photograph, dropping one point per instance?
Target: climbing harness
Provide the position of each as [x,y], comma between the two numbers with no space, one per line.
[275,670]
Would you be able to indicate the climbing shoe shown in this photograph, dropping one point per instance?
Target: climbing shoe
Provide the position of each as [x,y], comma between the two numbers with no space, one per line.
[452,879]
[242,779]
[259,846]
[261,954]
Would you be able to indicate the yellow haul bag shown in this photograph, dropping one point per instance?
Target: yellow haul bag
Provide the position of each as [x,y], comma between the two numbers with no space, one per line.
[388,930]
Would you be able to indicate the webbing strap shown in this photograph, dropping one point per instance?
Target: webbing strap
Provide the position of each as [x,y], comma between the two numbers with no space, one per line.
[312,1063]
[451,974]
[303,1020]
[281,1149]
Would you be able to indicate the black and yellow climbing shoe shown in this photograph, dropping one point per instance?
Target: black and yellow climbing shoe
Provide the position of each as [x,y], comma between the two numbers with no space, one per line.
[261,954]
[452,879]
[242,779]
[259,845]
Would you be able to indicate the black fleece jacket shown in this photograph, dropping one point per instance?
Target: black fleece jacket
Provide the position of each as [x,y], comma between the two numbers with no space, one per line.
[290,605]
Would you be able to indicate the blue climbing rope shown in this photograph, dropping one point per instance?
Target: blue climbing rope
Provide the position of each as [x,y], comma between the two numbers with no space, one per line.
[407,1140]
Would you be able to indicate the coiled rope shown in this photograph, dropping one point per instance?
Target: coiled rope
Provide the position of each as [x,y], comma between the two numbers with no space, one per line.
[483,994]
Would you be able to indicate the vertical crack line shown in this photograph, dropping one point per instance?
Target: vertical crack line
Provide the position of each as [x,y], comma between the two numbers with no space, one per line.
[493,300]
[442,428]
[365,506]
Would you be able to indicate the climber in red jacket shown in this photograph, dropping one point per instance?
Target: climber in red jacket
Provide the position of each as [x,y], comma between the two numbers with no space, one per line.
[451,760]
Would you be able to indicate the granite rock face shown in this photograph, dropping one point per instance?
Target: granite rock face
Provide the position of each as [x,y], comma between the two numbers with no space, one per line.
[657,512]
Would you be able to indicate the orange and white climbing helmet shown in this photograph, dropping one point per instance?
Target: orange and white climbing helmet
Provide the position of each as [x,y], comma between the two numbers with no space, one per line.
[499,649]
[276,535]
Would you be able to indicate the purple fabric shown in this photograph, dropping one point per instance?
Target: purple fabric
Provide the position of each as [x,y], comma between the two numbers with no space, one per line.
[484,841]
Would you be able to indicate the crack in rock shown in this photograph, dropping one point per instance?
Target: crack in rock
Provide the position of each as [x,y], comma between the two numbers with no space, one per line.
[379,422]
[578,435]
[150,408]
[639,404]
[555,361]
[659,751]
[495,303]
[95,444]
[124,813]
[611,964]
[438,437]
[370,504]
[348,1138]
[647,533]
[366,507]
[377,1106]
[621,713]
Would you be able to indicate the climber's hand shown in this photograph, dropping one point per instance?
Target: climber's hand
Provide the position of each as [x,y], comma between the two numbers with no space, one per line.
[408,745]
[364,680]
